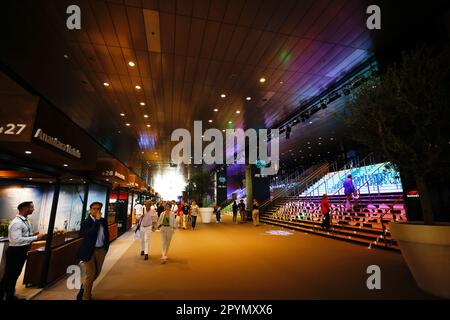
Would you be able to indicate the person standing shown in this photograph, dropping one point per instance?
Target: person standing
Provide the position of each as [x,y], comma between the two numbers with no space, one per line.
[145,228]
[217,209]
[160,208]
[325,208]
[20,236]
[255,212]
[241,207]
[194,214]
[93,249]
[349,190]
[235,211]
[138,211]
[166,222]
[185,210]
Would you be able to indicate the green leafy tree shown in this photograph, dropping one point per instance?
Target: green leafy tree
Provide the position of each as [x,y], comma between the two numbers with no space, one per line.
[404,115]
[198,186]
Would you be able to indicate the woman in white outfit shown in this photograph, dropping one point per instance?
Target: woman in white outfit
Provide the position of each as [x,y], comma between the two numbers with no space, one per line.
[166,222]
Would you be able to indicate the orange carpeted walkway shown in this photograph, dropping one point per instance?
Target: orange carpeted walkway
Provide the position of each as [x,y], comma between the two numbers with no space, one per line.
[228,261]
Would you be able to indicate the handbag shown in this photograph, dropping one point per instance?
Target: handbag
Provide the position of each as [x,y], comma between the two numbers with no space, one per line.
[137,232]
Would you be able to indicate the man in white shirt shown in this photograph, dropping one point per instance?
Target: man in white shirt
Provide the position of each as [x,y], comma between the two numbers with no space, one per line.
[20,235]
[146,227]
[138,211]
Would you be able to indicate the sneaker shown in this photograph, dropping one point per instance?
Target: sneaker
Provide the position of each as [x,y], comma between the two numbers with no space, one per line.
[142,253]
[146,257]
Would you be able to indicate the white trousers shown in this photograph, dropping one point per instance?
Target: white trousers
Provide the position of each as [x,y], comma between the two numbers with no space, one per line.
[145,238]
[166,237]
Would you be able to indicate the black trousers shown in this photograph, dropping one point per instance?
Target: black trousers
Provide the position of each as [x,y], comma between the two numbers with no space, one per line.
[15,259]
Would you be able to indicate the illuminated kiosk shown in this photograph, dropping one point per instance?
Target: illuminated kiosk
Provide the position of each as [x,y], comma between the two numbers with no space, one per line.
[205,214]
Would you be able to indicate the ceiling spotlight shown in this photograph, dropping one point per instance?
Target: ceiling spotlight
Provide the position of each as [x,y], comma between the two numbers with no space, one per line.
[30,178]
[131,63]
[223,95]
[28,152]
[310,122]
[145,115]
[223,130]
[122,114]
[138,87]
[216,110]
[248,98]
[106,84]
[148,126]
[65,165]
[237,111]
[127,124]
[142,103]
[262,80]
[281,82]
[229,122]
[142,152]
[66,56]
[209,120]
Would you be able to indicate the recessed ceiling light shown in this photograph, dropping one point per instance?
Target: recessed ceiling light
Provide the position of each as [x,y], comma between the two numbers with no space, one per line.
[106,84]
[118,131]
[223,95]
[70,179]
[281,82]
[320,138]
[145,115]
[230,122]
[122,114]
[237,111]
[216,110]
[209,120]
[148,126]
[65,165]
[127,124]
[331,138]
[107,179]
[262,80]
[131,63]
[138,87]
[248,98]
[66,56]
[223,130]
[28,152]
[30,178]
[142,152]
[142,103]
[310,122]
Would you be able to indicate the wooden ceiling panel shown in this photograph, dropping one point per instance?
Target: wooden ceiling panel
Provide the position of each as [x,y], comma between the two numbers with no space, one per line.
[182,31]
[137,28]
[296,16]
[210,39]
[277,46]
[191,66]
[196,37]
[104,58]
[150,4]
[143,66]
[325,18]
[213,71]
[265,13]
[239,36]
[105,24]
[223,42]
[201,9]
[167,6]
[309,18]
[167,22]
[121,26]
[249,12]
[267,40]
[167,66]
[184,7]
[250,43]
[233,12]
[179,67]
[217,10]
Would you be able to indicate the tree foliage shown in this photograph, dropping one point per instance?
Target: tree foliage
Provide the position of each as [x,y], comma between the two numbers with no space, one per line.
[404,115]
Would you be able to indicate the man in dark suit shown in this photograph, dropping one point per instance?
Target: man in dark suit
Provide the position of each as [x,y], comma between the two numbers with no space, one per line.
[93,249]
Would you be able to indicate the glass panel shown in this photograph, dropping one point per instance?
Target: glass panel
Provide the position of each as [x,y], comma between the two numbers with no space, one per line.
[69,212]
[12,194]
[97,193]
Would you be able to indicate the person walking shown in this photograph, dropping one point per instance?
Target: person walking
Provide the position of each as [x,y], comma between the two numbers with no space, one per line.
[145,227]
[20,236]
[241,207]
[349,191]
[160,208]
[235,211]
[325,208]
[93,248]
[217,209]
[185,210]
[255,212]
[166,223]
[194,214]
